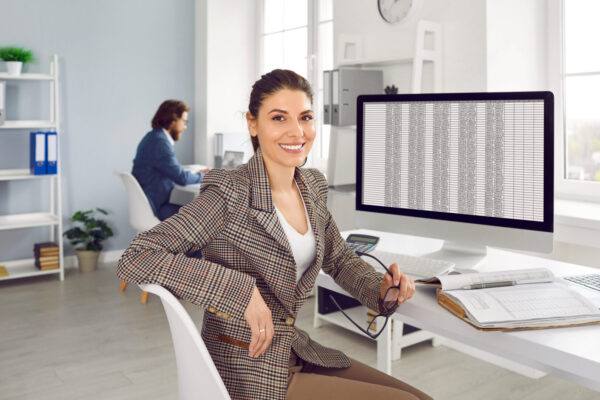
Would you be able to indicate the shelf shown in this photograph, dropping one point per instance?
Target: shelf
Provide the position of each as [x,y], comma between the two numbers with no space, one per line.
[23,269]
[52,218]
[381,62]
[16,221]
[28,125]
[20,174]
[358,314]
[26,77]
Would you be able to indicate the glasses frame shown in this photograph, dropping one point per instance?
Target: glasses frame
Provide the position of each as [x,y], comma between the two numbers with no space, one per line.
[385,314]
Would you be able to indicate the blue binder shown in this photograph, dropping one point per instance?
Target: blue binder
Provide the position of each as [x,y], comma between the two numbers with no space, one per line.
[37,153]
[51,153]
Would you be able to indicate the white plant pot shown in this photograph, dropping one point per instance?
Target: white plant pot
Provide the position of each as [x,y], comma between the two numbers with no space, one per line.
[14,67]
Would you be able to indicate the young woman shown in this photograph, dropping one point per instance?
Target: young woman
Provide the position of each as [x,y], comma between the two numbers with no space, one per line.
[265,233]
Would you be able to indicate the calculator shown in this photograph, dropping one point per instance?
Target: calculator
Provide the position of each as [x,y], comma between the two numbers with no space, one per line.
[362,243]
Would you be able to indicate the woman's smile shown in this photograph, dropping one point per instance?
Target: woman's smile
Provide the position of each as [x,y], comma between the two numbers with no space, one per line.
[292,148]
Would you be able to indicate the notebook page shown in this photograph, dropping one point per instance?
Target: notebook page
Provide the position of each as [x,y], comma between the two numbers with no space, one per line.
[527,302]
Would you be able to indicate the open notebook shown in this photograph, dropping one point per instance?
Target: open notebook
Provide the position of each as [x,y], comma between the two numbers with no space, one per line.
[521,299]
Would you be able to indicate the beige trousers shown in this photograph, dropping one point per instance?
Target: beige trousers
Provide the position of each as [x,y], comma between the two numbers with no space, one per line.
[359,382]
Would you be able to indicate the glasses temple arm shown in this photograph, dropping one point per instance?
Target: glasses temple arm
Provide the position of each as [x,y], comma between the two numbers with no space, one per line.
[365,331]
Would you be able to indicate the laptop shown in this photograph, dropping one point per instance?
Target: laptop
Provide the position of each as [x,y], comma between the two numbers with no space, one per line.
[232,159]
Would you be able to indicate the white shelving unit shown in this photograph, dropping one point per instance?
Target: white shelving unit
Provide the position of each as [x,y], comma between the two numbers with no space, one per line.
[394,70]
[422,54]
[53,217]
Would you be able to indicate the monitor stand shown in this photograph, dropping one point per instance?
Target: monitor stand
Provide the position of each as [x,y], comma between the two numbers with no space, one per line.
[466,257]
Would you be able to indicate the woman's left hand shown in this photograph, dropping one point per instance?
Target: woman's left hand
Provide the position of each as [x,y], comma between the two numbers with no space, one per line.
[407,286]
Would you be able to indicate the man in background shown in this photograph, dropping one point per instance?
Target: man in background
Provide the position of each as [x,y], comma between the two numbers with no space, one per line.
[155,166]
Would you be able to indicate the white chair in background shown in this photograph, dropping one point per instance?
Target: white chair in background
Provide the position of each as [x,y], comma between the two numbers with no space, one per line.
[196,373]
[141,217]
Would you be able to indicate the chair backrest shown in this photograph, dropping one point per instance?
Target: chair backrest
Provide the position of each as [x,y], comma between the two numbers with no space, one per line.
[141,217]
[198,377]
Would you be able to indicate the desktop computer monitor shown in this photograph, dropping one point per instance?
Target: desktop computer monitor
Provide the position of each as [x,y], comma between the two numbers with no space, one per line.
[473,169]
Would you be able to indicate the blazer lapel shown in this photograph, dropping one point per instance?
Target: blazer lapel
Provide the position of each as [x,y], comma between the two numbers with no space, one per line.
[280,278]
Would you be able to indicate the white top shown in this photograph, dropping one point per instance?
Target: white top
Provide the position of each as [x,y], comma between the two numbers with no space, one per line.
[169,137]
[304,247]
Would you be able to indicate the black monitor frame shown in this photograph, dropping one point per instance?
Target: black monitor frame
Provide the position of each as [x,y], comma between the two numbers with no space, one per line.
[547,225]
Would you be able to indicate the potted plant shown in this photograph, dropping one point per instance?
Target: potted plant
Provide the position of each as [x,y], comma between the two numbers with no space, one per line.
[15,57]
[89,232]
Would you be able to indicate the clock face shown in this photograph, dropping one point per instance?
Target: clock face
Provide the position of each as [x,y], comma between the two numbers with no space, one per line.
[394,10]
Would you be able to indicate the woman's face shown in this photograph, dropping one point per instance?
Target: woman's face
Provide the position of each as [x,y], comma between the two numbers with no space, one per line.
[285,127]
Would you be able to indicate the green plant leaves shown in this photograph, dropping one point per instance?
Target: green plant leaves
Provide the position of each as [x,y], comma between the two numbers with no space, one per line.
[12,53]
[89,231]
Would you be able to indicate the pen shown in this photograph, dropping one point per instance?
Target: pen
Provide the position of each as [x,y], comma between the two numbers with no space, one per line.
[490,285]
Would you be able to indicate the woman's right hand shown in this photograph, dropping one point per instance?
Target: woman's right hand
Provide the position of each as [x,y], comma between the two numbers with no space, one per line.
[258,316]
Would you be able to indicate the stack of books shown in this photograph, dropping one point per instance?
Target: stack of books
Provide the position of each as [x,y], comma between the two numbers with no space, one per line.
[371,314]
[46,255]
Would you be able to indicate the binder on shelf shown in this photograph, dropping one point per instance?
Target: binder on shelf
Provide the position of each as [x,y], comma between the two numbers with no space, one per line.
[37,153]
[327,97]
[2,101]
[347,84]
[51,153]
[335,83]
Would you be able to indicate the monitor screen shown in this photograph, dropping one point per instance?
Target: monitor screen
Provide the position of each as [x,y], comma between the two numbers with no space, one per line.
[483,158]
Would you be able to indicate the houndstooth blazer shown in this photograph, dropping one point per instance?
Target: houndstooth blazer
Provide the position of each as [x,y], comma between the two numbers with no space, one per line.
[234,223]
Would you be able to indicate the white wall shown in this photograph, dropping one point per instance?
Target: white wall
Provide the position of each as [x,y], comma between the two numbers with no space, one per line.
[516,45]
[223,90]
[464,38]
[118,60]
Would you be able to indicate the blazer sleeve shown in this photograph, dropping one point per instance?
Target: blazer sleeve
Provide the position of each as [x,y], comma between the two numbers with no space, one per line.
[168,165]
[348,270]
[159,256]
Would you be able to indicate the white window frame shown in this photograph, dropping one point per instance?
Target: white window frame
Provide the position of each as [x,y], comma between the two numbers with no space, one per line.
[316,158]
[564,188]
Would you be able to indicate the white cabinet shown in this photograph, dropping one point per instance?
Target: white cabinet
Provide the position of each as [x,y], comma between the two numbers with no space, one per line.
[52,217]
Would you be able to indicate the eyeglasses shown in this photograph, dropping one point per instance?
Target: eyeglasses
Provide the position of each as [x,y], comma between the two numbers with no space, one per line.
[389,303]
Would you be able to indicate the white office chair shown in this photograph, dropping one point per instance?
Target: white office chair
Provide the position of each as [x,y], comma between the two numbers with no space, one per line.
[196,373]
[141,217]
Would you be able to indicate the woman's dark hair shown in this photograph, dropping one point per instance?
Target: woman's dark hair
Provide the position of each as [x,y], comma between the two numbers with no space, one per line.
[169,111]
[269,84]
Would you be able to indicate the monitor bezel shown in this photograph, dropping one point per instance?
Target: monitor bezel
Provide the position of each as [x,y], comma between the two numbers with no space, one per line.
[547,225]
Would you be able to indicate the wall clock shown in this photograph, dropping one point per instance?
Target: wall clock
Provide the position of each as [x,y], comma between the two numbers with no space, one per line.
[394,11]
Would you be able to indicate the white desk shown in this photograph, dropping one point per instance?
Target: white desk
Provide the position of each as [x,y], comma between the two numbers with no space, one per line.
[571,353]
[181,195]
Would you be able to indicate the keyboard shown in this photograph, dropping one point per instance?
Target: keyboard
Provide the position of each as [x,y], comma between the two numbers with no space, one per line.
[590,280]
[413,266]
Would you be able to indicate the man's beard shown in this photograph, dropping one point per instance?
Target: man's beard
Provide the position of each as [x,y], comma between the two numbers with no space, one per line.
[175,135]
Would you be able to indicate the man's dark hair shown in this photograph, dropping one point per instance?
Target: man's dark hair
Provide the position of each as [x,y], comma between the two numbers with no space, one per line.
[169,111]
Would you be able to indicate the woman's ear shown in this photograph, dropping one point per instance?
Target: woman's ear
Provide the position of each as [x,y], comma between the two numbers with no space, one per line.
[251,121]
